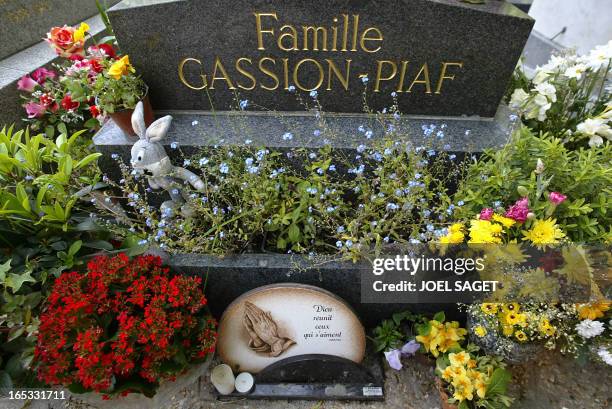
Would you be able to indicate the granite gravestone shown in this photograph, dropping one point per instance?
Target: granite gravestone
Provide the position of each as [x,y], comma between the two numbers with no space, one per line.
[440,57]
[26,22]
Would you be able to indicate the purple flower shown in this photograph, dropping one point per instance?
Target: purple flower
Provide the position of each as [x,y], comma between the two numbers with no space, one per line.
[410,348]
[394,359]
[486,213]
[556,198]
[26,84]
[519,210]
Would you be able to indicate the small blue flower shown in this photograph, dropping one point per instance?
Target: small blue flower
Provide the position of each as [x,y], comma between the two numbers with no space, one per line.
[174,145]
[312,155]
[291,88]
[287,136]
[203,161]
[248,161]
[224,168]
[244,103]
[316,132]
[332,168]
[365,79]
[368,134]
[361,148]
[339,244]
[313,94]
[394,94]
[248,141]
[340,229]
[361,129]
[460,203]
[348,244]
[186,162]
[114,156]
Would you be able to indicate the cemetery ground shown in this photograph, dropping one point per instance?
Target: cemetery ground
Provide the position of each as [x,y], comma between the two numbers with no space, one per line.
[555,382]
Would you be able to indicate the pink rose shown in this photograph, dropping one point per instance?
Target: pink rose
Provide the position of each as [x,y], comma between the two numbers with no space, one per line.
[40,75]
[34,110]
[556,198]
[519,210]
[26,84]
[486,213]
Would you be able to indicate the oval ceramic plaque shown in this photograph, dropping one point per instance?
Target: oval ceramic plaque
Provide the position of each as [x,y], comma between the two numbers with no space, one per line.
[277,321]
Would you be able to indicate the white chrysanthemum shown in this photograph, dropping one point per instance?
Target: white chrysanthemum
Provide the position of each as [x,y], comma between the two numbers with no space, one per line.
[605,355]
[589,329]
[600,56]
[575,71]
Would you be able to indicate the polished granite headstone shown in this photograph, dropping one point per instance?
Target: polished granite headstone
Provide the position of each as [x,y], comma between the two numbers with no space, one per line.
[441,57]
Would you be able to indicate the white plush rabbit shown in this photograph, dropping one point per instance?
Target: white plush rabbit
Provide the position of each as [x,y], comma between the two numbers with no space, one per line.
[149,155]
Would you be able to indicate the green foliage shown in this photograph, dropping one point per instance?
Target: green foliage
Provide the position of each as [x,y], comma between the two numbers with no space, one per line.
[583,175]
[112,94]
[45,228]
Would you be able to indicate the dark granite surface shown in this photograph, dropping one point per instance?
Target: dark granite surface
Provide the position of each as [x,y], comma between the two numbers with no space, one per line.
[229,277]
[487,39]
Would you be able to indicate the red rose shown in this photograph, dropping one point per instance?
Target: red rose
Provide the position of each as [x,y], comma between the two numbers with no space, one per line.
[46,100]
[63,42]
[68,104]
[108,50]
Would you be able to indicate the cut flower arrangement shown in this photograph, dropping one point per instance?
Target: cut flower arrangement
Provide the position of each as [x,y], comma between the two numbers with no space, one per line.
[86,86]
[123,326]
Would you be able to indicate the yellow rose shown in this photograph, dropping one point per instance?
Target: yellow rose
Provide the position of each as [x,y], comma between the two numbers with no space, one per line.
[120,68]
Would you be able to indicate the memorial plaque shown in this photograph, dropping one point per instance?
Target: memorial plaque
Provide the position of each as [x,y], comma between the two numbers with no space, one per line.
[270,323]
[438,57]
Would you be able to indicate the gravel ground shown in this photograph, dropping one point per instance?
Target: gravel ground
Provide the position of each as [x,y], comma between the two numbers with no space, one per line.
[553,382]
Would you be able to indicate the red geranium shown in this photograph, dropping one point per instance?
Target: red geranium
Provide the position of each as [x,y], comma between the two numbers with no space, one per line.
[122,321]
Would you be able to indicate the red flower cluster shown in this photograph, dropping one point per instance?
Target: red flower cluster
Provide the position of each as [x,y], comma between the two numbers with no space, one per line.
[122,319]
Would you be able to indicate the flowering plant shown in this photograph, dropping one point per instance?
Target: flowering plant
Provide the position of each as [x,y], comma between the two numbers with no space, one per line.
[474,380]
[65,95]
[568,97]
[122,327]
[595,328]
[118,87]
[530,322]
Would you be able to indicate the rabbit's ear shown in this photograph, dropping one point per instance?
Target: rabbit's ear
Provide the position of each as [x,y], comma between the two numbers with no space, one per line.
[138,123]
[158,129]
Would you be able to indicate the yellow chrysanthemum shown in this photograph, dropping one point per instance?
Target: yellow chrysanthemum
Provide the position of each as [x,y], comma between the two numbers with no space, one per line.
[79,33]
[480,331]
[483,232]
[505,221]
[507,330]
[544,233]
[489,308]
[521,336]
[120,68]
[592,311]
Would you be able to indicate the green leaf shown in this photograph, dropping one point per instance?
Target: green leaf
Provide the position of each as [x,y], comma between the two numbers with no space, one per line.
[498,382]
[98,245]
[4,268]
[440,316]
[86,160]
[5,381]
[75,247]
[15,281]
[294,233]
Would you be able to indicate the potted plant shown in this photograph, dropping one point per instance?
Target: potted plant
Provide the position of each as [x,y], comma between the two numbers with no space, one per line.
[124,327]
[117,91]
